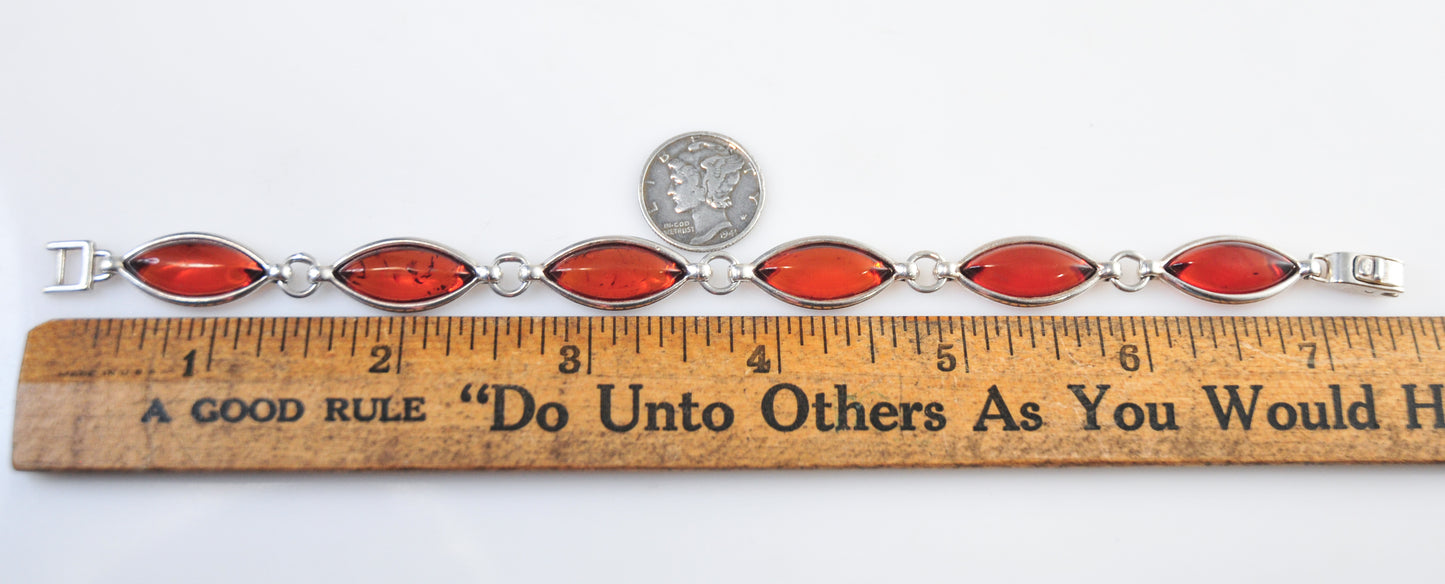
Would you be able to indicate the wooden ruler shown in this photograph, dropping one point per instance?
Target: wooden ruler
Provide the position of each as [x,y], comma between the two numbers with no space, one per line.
[726,392]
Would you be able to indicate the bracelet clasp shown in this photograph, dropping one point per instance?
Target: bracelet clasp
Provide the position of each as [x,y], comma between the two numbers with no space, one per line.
[1370,274]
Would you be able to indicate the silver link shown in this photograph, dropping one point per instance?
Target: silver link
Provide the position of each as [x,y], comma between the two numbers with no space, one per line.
[704,273]
[1145,272]
[526,274]
[284,274]
[942,272]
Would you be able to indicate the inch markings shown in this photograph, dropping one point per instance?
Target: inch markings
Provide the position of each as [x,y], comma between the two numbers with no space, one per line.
[727,392]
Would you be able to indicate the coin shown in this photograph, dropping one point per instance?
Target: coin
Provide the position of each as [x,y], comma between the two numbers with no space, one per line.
[701,191]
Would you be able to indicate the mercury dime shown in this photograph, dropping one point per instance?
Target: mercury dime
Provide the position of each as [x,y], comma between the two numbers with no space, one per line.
[701,191]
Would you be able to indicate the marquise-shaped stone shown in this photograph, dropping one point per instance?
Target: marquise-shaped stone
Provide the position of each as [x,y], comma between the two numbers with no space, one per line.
[195,268]
[823,271]
[1028,270]
[615,271]
[404,273]
[1231,267]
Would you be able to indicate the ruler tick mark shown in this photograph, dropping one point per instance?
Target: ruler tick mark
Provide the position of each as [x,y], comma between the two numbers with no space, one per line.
[1416,341]
[1194,352]
[825,334]
[211,348]
[1280,331]
[777,341]
[1328,353]
[1102,352]
[1148,349]
[1238,350]
[1057,355]
[963,339]
[872,354]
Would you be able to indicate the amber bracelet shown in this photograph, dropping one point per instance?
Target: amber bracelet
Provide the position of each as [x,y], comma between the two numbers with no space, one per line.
[616,273]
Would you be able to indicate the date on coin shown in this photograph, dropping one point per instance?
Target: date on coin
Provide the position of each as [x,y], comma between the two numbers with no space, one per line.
[701,191]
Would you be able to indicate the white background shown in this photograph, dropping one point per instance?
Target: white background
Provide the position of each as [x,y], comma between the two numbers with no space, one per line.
[319,126]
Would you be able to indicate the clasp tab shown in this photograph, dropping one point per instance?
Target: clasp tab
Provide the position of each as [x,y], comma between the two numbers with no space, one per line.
[95,265]
[1371,274]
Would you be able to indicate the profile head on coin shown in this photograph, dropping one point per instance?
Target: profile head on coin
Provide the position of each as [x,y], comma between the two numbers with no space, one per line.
[701,191]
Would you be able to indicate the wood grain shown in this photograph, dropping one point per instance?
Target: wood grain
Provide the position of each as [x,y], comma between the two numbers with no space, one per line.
[726,392]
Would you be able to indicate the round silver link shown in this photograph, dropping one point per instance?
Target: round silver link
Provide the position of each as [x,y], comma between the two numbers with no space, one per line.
[940,272]
[105,266]
[526,273]
[1112,271]
[284,274]
[705,273]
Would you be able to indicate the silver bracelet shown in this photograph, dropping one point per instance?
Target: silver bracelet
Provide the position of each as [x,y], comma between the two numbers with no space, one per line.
[617,273]
[702,192]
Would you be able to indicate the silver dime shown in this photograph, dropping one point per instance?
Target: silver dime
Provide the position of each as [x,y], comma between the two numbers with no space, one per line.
[701,191]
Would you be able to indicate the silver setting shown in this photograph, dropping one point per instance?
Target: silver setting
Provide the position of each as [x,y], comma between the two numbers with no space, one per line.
[705,270]
[1099,271]
[96,265]
[616,304]
[329,274]
[749,272]
[942,272]
[123,267]
[1370,274]
[701,191]
[1113,272]
[1300,269]
[285,273]
[526,274]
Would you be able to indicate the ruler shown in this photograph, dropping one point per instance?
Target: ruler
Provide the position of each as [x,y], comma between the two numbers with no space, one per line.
[630,392]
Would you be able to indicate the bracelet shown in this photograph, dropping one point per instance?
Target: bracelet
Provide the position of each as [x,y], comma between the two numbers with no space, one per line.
[615,273]
[701,192]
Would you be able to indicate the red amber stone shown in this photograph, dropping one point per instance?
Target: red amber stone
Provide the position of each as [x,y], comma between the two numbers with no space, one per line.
[404,273]
[823,271]
[1231,267]
[196,268]
[615,272]
[1028,270]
